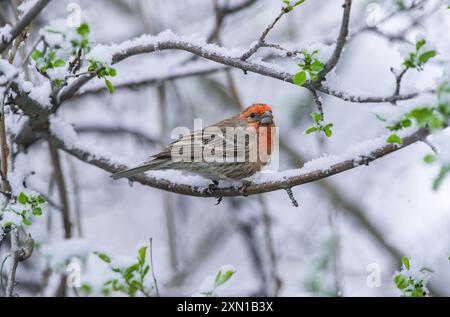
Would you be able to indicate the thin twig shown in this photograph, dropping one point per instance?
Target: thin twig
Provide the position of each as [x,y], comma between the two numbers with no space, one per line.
[291,196]
[60,182]
[260,43]
[340,43]
[398,82]
[155,282]
[318,103]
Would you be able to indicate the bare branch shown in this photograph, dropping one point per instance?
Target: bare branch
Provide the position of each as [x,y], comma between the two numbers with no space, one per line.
[14,257]
[60,182]
[262,39]
[398,82]
[155,282]
[342,39]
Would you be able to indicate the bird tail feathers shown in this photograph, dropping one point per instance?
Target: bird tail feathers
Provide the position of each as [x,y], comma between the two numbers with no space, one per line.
[137,170]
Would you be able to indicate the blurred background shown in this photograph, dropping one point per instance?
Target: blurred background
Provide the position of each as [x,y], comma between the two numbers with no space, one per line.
[346,228]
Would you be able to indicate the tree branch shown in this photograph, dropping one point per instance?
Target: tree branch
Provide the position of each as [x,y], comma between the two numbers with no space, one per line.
[262,39]
[23,23]
[61,184]
[14,256]
[283,180]
[342,39]
[122,51]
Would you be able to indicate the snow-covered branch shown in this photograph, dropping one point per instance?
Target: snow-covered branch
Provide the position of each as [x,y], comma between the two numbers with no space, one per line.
[167,40]
[23,23]
[174,181]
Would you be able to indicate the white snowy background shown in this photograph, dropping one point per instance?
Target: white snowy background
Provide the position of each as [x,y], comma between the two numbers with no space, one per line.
[394,193]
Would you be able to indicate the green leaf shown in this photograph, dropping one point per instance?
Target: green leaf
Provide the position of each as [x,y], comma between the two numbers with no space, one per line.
[417,292]
[141,254]
[436,122]
[422,115]
[316,116]
[103,256]
[112,71]
[129,270]
[401,281]
[426,269]
[394,138]
[26,222]
[445,170]
[86,287]
[109,85]
[300,78]
[36,54]
[425,57]
[137,284]
[406,123]
[430,158]
[327,130]
[37,211]
[22,198]
[59,63]
[83,29]
[419,44]
[317,66]
[146,269]
[405,262]
[222,277]
[311,130]
[40,199]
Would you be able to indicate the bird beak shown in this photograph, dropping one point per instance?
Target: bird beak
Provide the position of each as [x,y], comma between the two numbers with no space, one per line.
[266,118]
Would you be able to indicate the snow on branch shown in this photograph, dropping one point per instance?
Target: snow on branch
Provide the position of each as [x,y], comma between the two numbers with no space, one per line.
[177,182]
[29,16]
[167,40]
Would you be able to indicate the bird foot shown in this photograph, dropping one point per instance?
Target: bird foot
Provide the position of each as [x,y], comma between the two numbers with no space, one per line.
[212,188]
[243,188]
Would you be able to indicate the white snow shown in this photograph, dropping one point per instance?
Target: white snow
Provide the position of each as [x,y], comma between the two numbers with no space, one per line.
[5,33]
[41,93]
[58,72]
[326,162]
[324,51]
[65,132]
[26,6]
[105,53]
[57,254]
[441,139]
[10,218]
[227,268]
[7,71]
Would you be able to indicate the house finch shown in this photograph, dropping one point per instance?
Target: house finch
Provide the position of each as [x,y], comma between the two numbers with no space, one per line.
[232,149]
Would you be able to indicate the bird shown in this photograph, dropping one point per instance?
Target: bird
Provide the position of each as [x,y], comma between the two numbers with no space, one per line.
[252,137]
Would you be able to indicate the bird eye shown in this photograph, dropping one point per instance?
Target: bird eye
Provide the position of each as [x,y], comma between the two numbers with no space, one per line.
[252,115]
